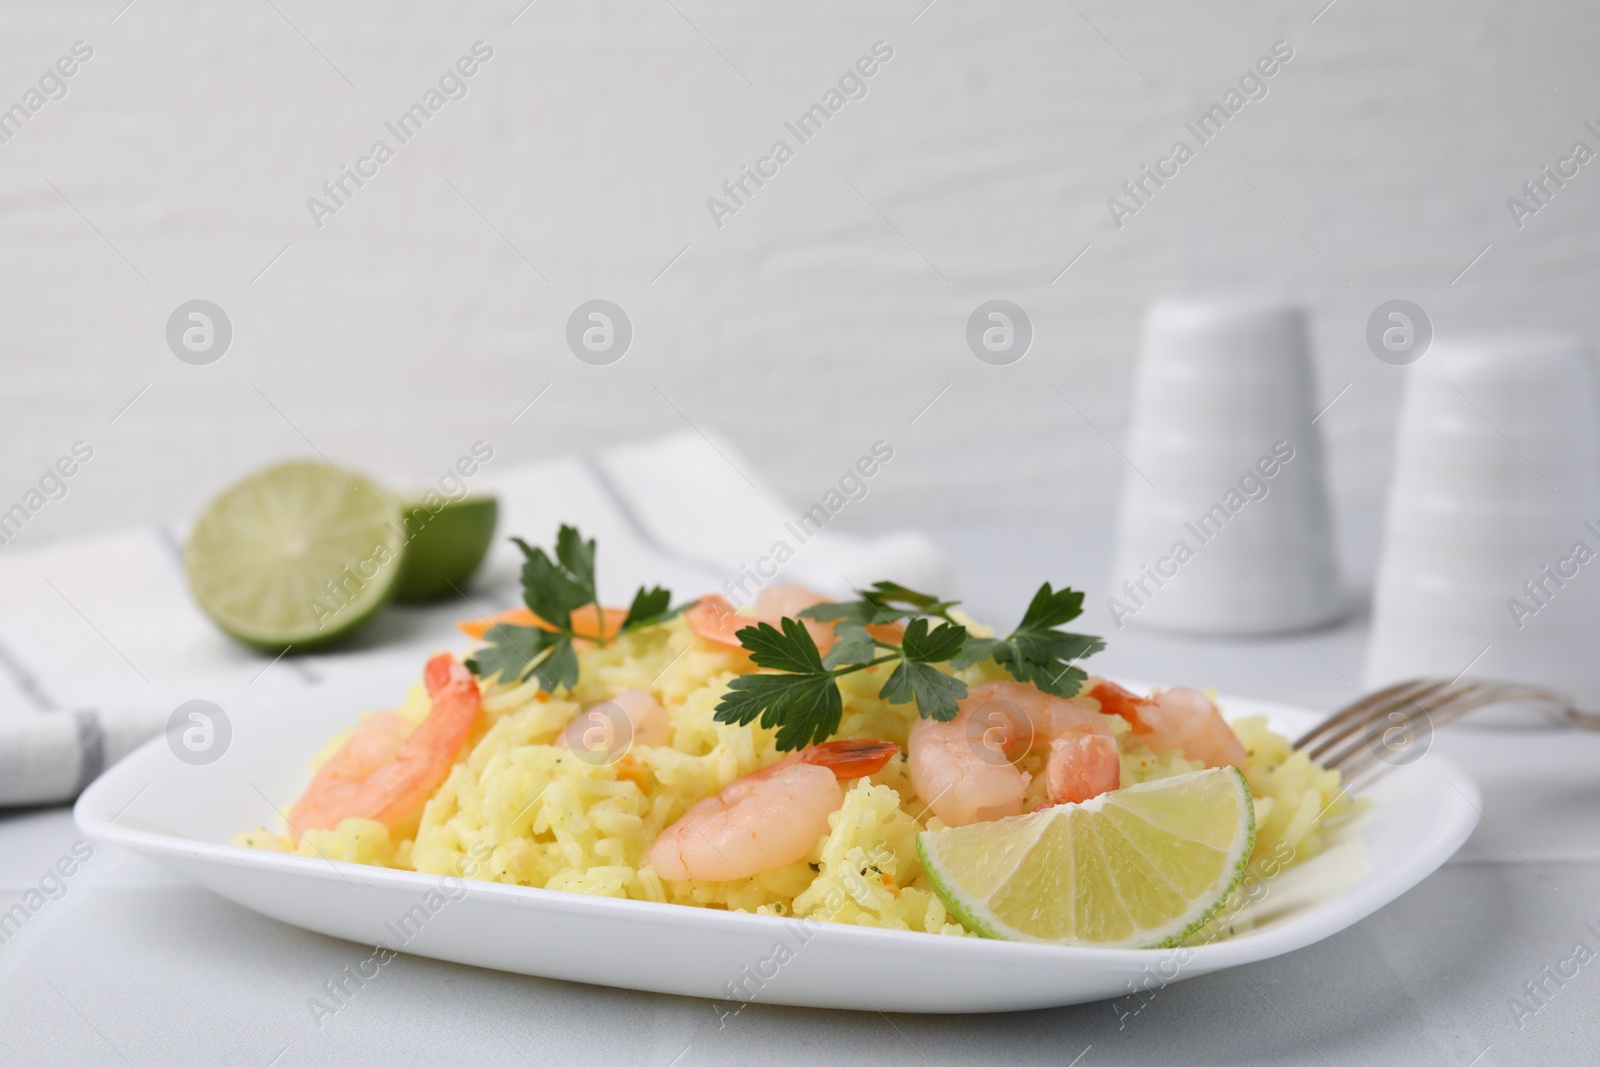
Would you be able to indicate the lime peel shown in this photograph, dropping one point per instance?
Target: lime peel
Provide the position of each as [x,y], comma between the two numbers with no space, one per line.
[445,547]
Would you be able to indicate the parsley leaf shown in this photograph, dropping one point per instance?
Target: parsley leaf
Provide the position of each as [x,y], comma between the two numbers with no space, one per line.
[803,703]
[1036,651]
[855,612]
[649,607]
[576,557]
[852,644]
[1049,608]
[975,650]
[559,668]
[512,651]
[885,593]
[936,693]
[553,589]
[878,606]
[792,650]
[920,646]
[806,708]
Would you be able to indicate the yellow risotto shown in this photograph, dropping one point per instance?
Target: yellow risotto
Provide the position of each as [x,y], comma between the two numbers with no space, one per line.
[517,809]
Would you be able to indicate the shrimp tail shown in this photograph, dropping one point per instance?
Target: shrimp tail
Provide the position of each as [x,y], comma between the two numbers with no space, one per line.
[442,671]
[851,759]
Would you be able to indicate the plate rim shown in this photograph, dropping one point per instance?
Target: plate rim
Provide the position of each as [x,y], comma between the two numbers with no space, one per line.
[90,815]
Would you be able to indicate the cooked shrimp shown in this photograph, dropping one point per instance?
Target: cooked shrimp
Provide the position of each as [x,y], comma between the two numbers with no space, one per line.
[385,775]
[766,819]
[1180,718]
[965,770]
[714,617]
[778,601]
[596,727]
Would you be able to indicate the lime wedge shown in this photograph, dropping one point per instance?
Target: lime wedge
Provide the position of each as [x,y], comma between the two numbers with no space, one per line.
[1142,867]
[446,546]
[298,555]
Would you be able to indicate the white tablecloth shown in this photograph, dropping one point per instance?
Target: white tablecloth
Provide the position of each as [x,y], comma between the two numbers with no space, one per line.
[134,966]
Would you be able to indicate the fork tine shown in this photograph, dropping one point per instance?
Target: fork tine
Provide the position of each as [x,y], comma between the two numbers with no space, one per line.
[1430,707]
[1438,705]
[1400,714]
[1342,723]
[1357,710]
[1444,712]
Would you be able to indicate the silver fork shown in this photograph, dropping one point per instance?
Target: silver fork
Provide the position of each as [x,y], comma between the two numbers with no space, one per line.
[1365,733]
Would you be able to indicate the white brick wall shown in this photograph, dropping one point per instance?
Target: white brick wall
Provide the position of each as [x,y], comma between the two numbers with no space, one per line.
[806,326]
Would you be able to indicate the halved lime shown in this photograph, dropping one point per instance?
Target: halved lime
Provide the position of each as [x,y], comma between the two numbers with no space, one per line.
[446,546]
[298,555]
[1142,867]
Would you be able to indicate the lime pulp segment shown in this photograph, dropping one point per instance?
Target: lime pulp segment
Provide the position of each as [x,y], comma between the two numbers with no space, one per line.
[300,555]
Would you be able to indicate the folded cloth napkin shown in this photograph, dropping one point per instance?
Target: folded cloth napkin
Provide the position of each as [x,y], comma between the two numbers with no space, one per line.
[100,641]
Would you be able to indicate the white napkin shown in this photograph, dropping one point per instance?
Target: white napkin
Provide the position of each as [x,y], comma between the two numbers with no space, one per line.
[100,641]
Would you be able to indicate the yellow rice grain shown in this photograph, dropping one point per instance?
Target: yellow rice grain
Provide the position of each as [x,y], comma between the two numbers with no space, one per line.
[515,809]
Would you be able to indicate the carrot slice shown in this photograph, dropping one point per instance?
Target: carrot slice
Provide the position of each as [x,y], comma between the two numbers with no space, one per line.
[891,633]
[476,628]
[584,622]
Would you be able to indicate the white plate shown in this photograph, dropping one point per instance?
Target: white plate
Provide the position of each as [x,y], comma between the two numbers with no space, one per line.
[184,817]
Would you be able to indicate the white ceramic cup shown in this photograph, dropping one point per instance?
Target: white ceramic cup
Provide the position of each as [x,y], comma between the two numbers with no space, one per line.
[1224,526]
[1491,554]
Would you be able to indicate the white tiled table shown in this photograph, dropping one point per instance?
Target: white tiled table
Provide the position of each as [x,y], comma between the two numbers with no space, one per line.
[132,965]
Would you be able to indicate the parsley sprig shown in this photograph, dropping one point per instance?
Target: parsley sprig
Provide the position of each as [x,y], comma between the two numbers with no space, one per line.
[800,696]
[553,589]
[798,690]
